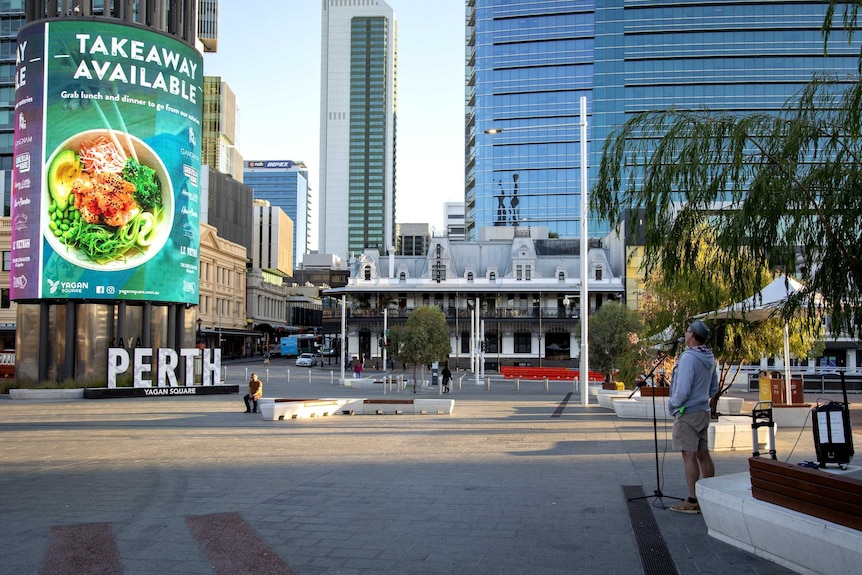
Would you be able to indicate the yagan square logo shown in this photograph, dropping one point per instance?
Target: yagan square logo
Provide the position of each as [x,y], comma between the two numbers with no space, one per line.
[107,157]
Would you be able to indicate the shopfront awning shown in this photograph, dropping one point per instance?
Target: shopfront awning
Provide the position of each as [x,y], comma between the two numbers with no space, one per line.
[231,332]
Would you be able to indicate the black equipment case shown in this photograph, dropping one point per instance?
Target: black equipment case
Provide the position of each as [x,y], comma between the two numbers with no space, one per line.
[833,438]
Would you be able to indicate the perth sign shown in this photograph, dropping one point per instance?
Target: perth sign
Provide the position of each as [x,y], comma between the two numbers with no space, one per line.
[159,373]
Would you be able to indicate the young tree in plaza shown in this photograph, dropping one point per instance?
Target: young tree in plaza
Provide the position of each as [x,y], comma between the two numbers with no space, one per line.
[611,328]
[778,191]
[423,340]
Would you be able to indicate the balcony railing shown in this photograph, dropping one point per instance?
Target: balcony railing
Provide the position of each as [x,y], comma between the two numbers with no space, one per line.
[497,313]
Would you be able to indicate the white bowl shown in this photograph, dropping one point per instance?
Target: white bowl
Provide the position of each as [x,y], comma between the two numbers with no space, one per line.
[147,157]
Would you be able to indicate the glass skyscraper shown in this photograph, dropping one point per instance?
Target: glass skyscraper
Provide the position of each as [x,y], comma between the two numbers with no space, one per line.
[357,127]
[284,184]
[529,62]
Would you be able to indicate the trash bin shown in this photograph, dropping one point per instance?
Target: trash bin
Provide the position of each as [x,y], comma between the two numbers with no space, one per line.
[765,386]
[773,388]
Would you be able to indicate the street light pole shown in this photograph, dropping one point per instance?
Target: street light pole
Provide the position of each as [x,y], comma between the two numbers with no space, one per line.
[585,260]
[585,292]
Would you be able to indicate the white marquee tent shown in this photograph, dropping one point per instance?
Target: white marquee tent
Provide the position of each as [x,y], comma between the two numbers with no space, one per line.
[764,305]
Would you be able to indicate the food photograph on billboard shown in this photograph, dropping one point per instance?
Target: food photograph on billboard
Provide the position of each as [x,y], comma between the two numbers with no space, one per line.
[111,133]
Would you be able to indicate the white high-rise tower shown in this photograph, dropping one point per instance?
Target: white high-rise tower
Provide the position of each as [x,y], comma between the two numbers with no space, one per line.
[357,126]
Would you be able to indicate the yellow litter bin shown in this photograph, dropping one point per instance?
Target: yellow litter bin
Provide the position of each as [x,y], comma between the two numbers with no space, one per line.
[764,382]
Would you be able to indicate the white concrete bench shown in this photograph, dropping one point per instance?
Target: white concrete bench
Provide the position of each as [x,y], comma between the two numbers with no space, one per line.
[792,415]
[272,409]
[606,397]
[640,407]
[733,432]
[797,541]
[729,405]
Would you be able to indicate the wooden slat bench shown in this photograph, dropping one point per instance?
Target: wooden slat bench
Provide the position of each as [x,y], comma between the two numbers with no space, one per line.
[827,496]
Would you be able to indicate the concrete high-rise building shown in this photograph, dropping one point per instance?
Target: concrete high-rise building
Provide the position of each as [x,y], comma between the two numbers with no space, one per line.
[284,184]
[529,63]
[357,127]
[272,239]
[208,24]
[453,214]
[221,121]
[413,239]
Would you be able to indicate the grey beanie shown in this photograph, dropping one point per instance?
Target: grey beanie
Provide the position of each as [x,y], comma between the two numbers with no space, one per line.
[700,329]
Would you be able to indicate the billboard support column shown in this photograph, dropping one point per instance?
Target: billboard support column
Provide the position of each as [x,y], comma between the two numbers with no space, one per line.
[69,353]
[43,337]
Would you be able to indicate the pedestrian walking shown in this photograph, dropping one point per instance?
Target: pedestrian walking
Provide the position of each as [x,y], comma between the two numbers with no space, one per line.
[447,377]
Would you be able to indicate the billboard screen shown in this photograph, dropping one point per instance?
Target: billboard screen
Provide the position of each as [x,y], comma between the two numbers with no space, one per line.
[106,196]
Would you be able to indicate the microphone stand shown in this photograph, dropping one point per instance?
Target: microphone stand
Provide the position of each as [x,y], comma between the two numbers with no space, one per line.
[657,493]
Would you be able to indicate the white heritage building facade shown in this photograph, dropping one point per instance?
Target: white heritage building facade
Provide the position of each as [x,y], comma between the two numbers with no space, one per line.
[526,285]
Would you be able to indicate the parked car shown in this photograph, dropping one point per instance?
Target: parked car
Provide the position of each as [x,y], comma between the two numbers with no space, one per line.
[306,360]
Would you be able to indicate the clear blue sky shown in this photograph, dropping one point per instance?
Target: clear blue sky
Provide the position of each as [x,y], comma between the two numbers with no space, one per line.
[269,54]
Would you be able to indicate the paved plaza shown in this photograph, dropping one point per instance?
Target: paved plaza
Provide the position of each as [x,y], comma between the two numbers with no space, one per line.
[513,482]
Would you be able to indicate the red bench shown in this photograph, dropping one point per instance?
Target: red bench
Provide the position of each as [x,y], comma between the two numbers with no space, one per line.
[551,373]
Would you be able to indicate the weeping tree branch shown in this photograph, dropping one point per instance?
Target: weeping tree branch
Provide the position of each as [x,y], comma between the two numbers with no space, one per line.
[782,189]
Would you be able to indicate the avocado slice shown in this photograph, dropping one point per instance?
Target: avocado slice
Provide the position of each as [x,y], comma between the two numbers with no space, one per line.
[64,170]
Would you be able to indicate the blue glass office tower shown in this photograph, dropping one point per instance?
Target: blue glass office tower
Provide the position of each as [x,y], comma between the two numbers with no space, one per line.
[530,61]
[284,184]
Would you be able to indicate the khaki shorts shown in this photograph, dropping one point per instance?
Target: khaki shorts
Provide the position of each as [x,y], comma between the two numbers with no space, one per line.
[690,431]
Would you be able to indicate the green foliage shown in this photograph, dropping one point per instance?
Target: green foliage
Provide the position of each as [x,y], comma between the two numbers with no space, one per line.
[772,191]
[423,340]
[612,334]
[776,192]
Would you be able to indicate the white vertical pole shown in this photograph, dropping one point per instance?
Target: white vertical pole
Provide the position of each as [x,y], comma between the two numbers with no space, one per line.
[385,323]
[481,351]
[476,344]
[473,340]
[343,332]
[585,292]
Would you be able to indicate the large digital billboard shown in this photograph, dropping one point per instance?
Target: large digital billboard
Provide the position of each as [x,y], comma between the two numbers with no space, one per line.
[106,197]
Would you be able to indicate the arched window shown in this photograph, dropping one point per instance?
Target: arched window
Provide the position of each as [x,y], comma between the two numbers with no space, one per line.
[469,276]
[368,272]
[493,276]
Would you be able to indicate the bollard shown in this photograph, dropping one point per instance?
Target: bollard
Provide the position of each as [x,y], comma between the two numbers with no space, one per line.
[267,375]
[488,383]
[331,378]
[288,376]
[460,379]
[246,374]
[546,384]
[309,375]
[224,376]
[517,384]
[575,385]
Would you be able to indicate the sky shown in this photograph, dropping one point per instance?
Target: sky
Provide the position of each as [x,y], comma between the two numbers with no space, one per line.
[269,54]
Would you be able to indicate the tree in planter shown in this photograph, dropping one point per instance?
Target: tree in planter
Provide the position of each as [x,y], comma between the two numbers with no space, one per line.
[611,328]
[675,298]
[423,340]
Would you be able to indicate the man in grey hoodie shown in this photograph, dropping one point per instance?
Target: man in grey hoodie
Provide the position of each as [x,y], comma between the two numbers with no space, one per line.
[694,382]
